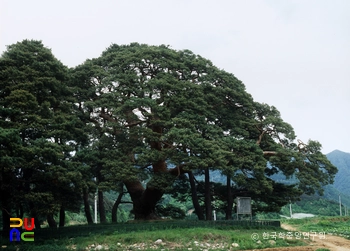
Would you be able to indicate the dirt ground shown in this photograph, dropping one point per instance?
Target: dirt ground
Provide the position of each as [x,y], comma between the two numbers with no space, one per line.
[331,242]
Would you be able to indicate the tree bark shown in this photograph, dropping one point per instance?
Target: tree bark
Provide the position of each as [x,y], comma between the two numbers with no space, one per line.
[87,207]
[145,199]
[116,205]
[101,207]
[207,195]
[145,208]
[37,222]
[34,214]
[62,217]
[229,199]
[5,221]
[269,153]
[51,221]
[194,196]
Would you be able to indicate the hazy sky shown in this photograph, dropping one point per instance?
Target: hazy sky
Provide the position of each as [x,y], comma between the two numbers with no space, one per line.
[293,54]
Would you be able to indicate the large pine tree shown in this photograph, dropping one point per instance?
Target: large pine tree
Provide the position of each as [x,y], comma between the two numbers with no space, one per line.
[37,127]
[142,116]
[167,112]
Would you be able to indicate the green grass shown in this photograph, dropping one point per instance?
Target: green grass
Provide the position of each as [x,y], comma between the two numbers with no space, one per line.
[330,225]
[178,235]
[144,236]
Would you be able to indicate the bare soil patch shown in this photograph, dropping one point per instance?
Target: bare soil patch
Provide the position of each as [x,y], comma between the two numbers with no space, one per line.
[331,242]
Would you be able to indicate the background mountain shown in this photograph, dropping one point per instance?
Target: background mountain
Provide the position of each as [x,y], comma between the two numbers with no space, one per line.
[341,183]
[328,204]
[342,161]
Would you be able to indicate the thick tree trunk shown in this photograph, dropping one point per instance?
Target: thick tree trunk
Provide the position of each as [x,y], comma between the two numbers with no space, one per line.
[145,200]
[229,199]
[135,190]
[101,207]
[144,205]
[51,221]
[87,207]
[207,196]
[34,214]
[5,221]
[36,222]
[62,217]
[144,208]
[5,197]
[194,196]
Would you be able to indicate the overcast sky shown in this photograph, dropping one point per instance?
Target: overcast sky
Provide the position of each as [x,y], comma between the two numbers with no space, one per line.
[293,54]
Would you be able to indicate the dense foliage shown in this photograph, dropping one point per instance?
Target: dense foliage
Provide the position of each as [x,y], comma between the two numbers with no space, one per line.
[135,120]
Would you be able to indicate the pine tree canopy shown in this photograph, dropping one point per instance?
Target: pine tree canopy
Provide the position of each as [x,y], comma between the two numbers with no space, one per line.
[141,116]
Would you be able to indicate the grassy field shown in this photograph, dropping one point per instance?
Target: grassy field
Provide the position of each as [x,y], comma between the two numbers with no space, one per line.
[339,226]
[173,239]
[178,236]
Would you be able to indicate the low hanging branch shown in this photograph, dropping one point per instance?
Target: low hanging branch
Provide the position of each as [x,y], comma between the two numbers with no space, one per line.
[265,153]
[270,132]
[178,170]
[269,153]
[260,138]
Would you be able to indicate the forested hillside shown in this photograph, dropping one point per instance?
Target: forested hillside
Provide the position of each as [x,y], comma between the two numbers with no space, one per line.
[341,185]
[342,179]
[328,203]
[142,122]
